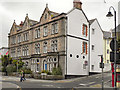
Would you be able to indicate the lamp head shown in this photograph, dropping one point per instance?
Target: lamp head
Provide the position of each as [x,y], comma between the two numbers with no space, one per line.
[109,14]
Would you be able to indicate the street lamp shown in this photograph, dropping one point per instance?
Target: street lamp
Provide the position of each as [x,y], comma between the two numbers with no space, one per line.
[115,39]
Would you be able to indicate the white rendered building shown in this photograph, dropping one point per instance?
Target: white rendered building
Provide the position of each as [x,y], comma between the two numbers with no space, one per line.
[77,41]
[96,45]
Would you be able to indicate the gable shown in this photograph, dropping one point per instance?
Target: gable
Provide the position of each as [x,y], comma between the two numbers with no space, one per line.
[97,23]
[47,15]
[13,29]
[79,10]
[26,24]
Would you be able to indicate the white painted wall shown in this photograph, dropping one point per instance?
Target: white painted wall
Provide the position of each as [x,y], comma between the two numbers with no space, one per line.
[96,39]
[74,64]
[75,20]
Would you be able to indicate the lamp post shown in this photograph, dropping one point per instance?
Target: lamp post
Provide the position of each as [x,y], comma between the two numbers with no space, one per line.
[115,39]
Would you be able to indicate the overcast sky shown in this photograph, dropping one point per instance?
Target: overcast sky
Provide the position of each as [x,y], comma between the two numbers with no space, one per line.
[11,10]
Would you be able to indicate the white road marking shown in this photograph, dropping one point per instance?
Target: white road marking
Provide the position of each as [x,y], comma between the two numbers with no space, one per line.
[48,85]
[82,84]
[86,84]
[96,77]
[91,83]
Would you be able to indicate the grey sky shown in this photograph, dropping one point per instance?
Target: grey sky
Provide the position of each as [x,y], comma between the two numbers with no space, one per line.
[11,10]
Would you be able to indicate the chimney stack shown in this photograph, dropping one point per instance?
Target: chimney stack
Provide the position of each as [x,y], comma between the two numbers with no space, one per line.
[21,24]
[77,4]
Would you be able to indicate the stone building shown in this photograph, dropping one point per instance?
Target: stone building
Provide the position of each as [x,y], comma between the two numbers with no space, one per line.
[53,41]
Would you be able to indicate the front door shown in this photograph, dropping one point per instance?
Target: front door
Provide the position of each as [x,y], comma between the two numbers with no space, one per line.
[45,66]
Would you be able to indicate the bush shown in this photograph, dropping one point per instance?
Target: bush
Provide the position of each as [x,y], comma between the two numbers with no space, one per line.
[46,71]
[3,69]
[26,70]
[11,69]
[57,71]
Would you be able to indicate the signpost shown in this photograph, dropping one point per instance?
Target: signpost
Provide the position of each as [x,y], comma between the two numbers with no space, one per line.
[102,66]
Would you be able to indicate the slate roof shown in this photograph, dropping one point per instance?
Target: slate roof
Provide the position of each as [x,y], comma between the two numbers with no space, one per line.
[106,34]
[91,21]
[32,22]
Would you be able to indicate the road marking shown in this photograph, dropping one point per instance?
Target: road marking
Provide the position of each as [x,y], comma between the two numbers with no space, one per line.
[86,84]
[82,84]
[96,77]
[96,85]
[90,83]
[48,85]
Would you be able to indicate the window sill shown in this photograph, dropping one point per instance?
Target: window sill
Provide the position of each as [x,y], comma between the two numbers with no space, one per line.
[45,36]
[37,38]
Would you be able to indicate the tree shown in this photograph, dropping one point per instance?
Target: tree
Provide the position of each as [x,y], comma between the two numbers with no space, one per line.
[19,62]
[5,61]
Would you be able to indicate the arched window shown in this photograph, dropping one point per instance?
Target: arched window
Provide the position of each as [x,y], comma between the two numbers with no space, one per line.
[37,48]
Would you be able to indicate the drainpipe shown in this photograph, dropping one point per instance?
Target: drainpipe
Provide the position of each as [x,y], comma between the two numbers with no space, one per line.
[66,24]
[89,52]
[58,58]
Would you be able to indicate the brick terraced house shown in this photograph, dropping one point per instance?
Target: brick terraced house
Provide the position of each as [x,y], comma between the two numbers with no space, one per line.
[56,40]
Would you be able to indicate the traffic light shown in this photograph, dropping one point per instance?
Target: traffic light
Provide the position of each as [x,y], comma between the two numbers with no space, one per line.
[101,63]
[112,57]
[113,51]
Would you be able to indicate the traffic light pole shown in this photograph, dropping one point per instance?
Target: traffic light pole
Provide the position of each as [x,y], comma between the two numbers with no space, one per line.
[102,66]
[102,80]
[115,39]
[115,43]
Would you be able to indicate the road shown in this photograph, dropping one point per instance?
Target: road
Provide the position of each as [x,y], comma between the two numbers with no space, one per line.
[81,82]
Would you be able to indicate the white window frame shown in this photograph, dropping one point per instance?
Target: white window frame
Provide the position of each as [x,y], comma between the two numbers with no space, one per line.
[54,28]
[37,33]
[45,47]
[45,31]
[54,45]
[37,48]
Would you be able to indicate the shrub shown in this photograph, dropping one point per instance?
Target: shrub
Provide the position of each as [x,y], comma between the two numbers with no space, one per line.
[46,71]
[11,69]
[3,69]
[26,70]
[57,71]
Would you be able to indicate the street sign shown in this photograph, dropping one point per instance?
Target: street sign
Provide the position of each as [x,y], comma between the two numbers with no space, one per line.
[112,43]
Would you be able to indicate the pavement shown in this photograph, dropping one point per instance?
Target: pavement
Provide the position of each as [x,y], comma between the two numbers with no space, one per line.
[7,80]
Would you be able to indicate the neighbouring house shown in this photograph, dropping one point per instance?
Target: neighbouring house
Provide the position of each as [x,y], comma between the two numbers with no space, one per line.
[77,41]
[117,32]
[106,53]
[96,45]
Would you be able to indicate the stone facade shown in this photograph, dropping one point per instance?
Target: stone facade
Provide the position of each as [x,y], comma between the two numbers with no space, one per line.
[41,45]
